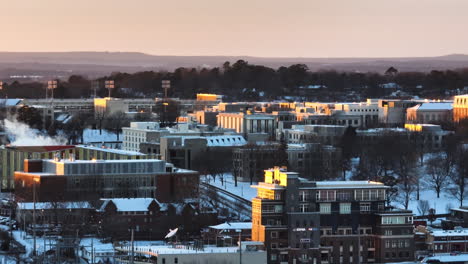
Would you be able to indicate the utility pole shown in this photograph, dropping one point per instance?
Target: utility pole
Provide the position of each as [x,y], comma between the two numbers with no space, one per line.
[240,246]
[34,218]
[359,244]
[133,250]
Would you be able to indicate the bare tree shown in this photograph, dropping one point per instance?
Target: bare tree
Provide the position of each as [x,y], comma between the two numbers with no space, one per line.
[459,178]
[423,207]
[440,169]
[115,122]
[408,178]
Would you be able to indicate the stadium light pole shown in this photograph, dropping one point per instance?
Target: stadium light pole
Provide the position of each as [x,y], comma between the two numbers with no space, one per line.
[109,86]
[166,84]
[52,85]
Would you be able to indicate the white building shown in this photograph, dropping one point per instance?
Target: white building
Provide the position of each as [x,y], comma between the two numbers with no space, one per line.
[139,132]
[251,252]
[367,111]
[430,112]
[248,124]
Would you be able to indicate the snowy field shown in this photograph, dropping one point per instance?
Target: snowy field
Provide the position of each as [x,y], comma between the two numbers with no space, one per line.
[243,189]
[441,205]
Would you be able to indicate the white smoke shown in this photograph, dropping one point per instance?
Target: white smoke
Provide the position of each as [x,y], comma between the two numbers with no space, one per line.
[21,134]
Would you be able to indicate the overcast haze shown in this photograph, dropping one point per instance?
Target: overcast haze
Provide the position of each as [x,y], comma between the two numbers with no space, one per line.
[270,28]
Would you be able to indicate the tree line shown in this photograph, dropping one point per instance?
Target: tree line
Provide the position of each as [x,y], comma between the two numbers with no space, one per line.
[244,81]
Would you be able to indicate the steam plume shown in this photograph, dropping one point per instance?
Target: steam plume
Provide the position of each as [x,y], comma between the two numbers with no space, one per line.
[21,134]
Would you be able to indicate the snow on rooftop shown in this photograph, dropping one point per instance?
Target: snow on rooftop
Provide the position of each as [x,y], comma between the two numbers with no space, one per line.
[436,106]
[47,205]
[233,225]
[10,102]
[111,150]
[225,140]
[445,233]
[129,204]
[105,161]
[349,184]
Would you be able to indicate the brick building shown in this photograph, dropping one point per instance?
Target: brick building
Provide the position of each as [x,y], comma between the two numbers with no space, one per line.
[79,180]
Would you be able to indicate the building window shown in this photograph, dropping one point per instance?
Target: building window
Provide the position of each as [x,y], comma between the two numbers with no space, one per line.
[364,207]
[345,208]
[274,234]
[303,208]
[274,257]
[388,232]
[387,244]
[325,208]
[274,245]
[303,196]
[326,195]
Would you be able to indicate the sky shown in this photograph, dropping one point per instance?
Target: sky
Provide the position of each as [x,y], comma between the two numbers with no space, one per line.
[266,28]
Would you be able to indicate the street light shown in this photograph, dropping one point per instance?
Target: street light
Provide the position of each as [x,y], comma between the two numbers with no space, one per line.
[109,84]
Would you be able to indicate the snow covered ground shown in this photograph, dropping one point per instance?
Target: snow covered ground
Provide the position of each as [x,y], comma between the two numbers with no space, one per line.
[243,189]
[441,205]
[42,244]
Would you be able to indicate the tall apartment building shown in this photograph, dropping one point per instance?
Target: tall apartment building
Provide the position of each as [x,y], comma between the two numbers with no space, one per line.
[460,107]
[303,221]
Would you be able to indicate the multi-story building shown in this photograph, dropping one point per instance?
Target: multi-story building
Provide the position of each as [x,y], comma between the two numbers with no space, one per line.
[393,112]
[302,221]
[447,241]
[251,160]
[89,180]
[150,219]
[185,151]
[140,132]
[422,136]
[427,113]
[206,117]
[108,106]
[12,157]
[460,107]
[249,124]
[325,134]
[368,112]
[315,161]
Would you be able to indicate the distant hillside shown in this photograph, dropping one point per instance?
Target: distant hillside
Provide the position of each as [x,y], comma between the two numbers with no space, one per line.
[92,64]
